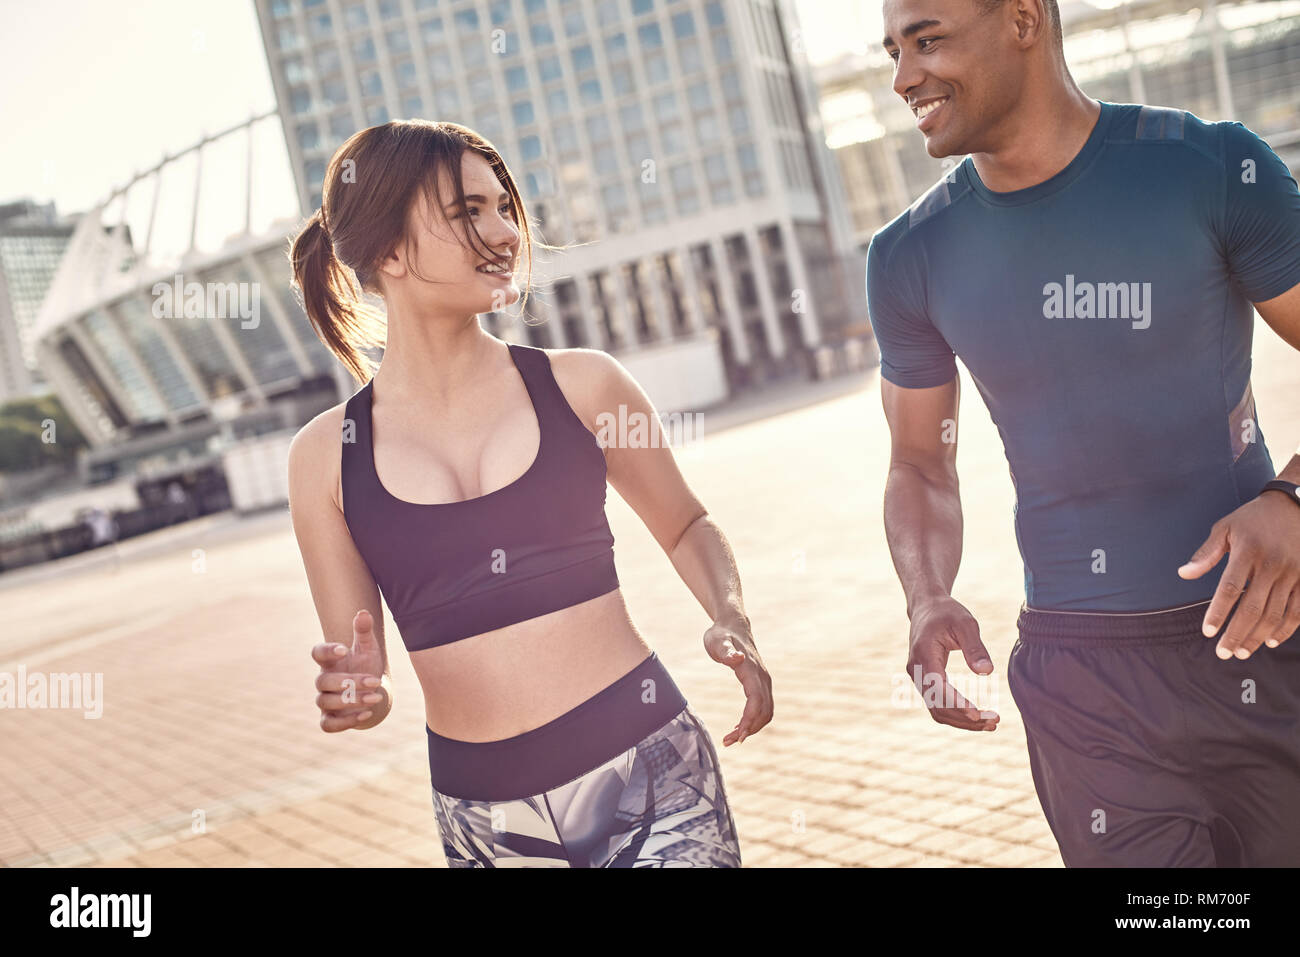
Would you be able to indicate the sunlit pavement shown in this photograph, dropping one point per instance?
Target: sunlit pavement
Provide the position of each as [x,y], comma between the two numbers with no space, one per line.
[208,752]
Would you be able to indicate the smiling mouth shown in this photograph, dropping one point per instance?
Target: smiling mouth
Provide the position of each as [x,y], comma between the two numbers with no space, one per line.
[925,109]
[497,269]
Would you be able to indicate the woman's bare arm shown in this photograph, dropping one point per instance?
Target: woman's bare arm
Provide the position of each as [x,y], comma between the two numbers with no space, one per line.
[646,476]
[340,581]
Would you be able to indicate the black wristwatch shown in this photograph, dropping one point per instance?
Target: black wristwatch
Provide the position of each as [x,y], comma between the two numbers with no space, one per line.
[1277,485]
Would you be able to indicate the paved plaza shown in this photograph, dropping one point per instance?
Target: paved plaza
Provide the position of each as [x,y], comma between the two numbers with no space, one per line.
[208,751]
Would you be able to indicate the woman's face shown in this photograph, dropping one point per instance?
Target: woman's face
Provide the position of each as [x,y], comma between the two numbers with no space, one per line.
[441,251]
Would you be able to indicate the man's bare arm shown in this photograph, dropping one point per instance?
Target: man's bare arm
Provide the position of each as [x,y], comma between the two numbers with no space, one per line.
[923,525]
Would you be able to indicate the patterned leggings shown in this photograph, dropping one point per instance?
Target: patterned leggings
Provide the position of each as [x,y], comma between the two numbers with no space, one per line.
[660,803]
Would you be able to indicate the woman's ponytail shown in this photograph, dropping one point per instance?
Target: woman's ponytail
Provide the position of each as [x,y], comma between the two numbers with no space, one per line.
[332,300]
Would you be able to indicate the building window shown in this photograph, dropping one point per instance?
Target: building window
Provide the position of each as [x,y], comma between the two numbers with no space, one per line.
[363,49]
[309,136]
[747,156]
[598,128]
[683,180]
[605,160]
[398,41]
[738,117]
[722,48]
[697,94]
[354,15]
[474,54]
[673,138]
[688,54]
[327,60]
[565,138]
[432,30]
[448,101]
[341,126]
[573,24]
[607,11]
[288,38]
[706,128]
[320,26]
[540,34]
[548,67]
[715,168]
[631,118]
[650,36]
[666,107]
[624,84]
[656,68]
[294,71]
[583,59]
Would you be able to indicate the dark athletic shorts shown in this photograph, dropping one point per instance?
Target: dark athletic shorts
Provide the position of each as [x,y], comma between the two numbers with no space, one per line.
[1147,750]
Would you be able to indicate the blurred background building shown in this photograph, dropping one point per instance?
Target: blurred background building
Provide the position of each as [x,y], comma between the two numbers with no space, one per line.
[1221,61]
[142,385]
[735,246]
[32,241]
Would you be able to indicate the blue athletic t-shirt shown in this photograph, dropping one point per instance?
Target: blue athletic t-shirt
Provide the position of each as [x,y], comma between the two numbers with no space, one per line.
[1105,317]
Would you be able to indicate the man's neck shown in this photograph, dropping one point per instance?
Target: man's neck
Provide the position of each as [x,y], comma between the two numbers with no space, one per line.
[1049,131]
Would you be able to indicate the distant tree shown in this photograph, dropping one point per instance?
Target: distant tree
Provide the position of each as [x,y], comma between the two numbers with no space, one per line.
[25,432]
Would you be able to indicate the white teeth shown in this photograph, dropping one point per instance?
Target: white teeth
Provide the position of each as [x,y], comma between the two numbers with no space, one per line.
[930,107]
[495,269]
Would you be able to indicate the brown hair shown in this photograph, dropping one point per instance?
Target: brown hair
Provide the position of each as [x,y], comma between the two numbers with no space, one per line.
[336,254]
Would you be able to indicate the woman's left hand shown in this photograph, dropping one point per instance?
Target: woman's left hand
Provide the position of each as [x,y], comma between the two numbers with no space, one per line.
[730,642]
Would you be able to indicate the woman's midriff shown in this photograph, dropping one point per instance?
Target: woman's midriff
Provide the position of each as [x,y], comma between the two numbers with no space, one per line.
[505,682]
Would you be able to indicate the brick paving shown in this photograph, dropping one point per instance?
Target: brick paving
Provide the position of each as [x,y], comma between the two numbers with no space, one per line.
[208,752]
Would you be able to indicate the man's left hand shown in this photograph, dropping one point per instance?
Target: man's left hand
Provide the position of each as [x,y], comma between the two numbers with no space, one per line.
[1262,577]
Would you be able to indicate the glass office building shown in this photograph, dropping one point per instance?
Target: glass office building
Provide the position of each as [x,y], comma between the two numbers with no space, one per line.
[740,233]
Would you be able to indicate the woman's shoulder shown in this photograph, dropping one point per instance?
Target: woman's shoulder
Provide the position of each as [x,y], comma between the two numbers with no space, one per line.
[590,379]
[316,450]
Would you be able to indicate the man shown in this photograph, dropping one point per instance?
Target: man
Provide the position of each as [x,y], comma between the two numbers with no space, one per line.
[1093,265]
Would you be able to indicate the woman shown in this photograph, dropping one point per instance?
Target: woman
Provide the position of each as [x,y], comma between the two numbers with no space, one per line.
[469,487]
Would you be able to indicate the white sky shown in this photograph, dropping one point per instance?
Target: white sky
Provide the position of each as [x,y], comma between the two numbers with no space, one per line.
[96,90]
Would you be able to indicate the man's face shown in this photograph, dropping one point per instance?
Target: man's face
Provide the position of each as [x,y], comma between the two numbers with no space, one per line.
[955,66]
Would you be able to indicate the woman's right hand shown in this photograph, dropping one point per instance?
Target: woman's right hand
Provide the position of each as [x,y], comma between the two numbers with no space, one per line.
[351,680]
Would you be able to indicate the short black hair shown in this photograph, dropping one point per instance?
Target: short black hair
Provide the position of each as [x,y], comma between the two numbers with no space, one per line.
[1053,14]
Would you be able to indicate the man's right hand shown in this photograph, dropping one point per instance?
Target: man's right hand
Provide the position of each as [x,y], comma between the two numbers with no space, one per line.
[939,627]
[351,679]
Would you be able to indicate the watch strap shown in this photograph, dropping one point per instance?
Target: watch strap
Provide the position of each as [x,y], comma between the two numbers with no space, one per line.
[1290,488]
